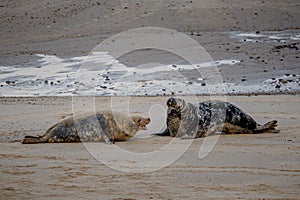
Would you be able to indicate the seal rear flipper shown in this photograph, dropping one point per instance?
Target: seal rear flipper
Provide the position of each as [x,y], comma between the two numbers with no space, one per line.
[268,127]
[164,133]
[28,139]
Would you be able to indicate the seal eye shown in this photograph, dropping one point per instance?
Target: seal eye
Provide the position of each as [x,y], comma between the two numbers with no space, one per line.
[171,102]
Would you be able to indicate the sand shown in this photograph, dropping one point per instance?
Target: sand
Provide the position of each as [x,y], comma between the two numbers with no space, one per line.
[239,166]
[264,166]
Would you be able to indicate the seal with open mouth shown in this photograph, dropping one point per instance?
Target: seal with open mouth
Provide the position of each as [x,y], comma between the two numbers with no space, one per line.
[187,120]
[103,126]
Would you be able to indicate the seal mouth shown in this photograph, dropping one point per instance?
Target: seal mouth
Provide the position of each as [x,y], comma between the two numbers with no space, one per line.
[144,127]
[176,108]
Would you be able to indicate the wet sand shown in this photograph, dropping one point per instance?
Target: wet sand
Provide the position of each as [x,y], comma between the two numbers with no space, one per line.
[239,166]
[75,28]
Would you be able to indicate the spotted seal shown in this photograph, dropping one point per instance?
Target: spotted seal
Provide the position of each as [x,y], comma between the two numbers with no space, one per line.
[187,120]
[115,126]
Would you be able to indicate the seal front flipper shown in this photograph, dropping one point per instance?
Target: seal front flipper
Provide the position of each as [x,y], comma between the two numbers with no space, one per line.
[28,139]
[164,133]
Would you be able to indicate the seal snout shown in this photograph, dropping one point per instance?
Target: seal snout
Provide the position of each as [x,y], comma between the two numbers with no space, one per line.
[146,122]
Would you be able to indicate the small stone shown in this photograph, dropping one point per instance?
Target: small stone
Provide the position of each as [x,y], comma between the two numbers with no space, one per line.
[243,79]
[283,81]
[257,32]
[203,84]
[8,82]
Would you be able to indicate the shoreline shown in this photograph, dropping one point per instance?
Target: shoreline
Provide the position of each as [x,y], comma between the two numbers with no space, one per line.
[166,96]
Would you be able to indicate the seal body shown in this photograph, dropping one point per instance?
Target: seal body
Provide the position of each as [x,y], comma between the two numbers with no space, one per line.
[104,126]
[208,117]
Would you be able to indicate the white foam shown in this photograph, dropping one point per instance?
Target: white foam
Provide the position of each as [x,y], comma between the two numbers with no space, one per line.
[252,35]
[101,74]
[97,73]
[268,36]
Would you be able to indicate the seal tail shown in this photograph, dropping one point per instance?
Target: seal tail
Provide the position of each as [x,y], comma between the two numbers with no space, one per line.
[268,127]
[28,139]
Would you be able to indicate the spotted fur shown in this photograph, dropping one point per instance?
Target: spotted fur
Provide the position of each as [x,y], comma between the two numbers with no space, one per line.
[102,126]
[202,119]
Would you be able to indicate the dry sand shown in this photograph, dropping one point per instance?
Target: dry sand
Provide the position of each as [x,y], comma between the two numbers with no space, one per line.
[240,166]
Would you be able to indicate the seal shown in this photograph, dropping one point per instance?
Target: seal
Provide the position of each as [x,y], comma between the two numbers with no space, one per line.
[103,126]
[187,120]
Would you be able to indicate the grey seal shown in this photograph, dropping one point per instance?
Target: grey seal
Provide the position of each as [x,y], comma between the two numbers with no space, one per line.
[102,126]
[188,120]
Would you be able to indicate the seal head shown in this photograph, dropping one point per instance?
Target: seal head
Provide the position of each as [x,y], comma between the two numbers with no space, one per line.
[176,104]
[141,122]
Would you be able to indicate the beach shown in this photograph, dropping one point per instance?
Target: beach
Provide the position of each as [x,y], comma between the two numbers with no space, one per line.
[62,58]
[239,166]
